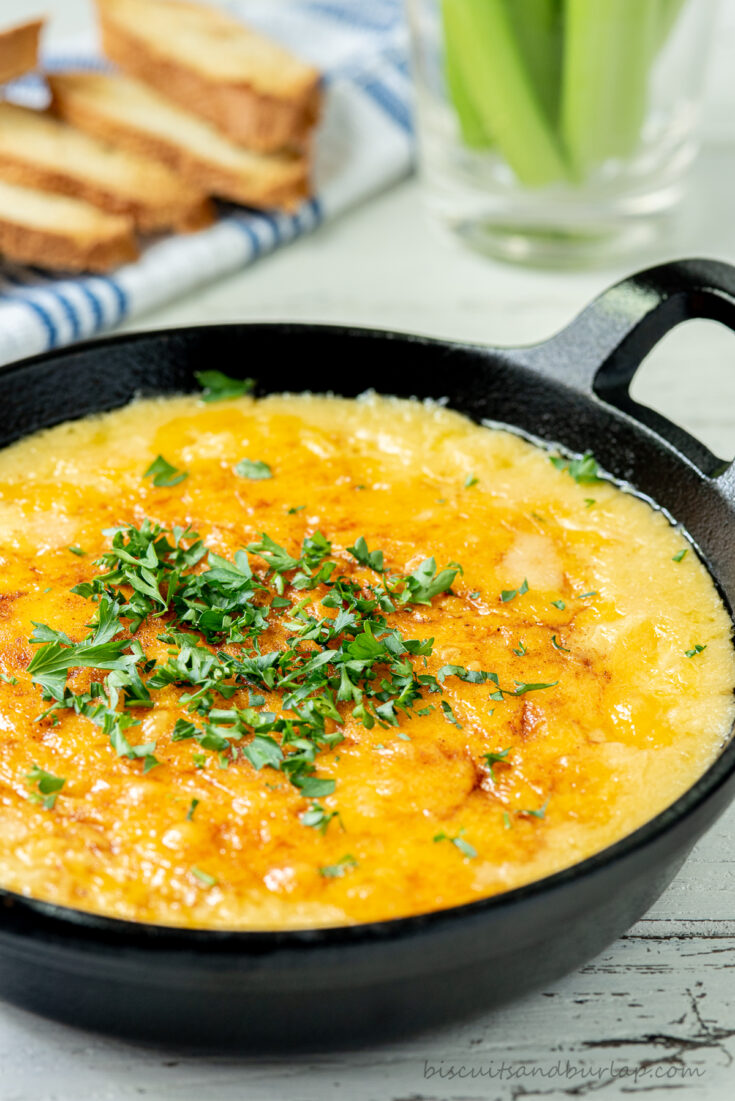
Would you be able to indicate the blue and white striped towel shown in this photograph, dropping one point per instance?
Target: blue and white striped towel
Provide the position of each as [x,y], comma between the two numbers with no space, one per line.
[364,145]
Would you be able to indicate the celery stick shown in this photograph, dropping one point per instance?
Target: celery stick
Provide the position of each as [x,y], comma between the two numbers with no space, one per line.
[498,84]
[474,134]
[640,25]
[668,13]
[537,25]
[607,53]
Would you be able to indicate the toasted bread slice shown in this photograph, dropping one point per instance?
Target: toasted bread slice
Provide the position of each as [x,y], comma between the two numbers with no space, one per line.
[19,49]
[54,231]
[129,114]
[39,150]
[251,88]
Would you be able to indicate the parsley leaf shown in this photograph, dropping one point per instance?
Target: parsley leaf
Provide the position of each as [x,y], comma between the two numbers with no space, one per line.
[318,818]
[450,716]
[48,786]
[217,386]
[540,813]
[459,843]
[493,758]
[204,878]
[164,474]
[373,559]
[425,583]
[511,594]
[584,470]
[696,649]
[253,469]
[335,871]
[680,555]
[522,688]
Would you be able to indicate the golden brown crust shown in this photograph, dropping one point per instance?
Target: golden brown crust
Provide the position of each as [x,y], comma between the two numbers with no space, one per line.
[19,49]
[287,193]
[59,250]
[258,121]
[186,218]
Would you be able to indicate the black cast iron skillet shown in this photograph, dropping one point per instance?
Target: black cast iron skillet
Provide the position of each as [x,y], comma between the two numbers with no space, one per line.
[361,983]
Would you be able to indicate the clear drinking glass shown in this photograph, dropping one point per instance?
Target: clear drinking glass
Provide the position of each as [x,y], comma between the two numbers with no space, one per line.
[557,132]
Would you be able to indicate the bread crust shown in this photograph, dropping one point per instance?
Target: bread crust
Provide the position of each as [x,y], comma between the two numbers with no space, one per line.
[148,218]
[287,193]
[60,250]
[251,118]
[19,49]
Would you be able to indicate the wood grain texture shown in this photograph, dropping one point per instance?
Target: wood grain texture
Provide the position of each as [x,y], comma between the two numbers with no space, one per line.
[662,998]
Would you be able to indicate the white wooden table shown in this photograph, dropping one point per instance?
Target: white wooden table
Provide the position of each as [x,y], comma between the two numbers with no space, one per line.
[656,1011]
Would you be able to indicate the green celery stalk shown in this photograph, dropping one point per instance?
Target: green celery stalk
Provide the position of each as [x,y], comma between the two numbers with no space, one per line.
[607,56]
[497,82]
[474,134]
[668,13]
[537,25]
[641,19]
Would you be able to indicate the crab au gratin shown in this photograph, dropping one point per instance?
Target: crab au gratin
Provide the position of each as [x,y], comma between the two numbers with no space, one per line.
[302,661]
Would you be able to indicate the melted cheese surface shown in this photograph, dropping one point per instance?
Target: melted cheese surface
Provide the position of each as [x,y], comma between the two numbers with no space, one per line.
[631,724]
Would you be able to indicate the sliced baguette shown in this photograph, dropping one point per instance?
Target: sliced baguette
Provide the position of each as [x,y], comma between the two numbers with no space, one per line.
[251,88]
[19,49]
[129,114]
[54,231]
[39,150]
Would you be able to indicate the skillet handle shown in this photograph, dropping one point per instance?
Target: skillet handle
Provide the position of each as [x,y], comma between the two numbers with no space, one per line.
[601,350]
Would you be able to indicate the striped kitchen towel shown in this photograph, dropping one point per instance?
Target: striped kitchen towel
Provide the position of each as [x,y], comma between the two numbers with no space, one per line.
[364,145]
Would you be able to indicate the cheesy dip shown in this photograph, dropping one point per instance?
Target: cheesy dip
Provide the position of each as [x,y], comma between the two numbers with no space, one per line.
[306,661]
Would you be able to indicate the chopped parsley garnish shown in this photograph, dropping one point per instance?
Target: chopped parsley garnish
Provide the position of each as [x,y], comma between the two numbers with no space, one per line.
[8,679]
[560,604]
[164,474]
[204,878]
[511,594]
[48,786]
[217,386]
[520,650]
[253,469]
[584,470]
[469,481]
[319,818]
[589,502]
[680,556]
[192,807]
[522,688]
[339,657]
[373,559]
[696,649]
[494,758]
[558,646]
[507,824]
[459,843]
[335,871]
[540,813]
[587,596]
[78,551]
[450,716]
[295,508]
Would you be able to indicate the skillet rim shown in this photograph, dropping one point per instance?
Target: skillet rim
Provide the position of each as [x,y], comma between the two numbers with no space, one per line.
[72,923]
